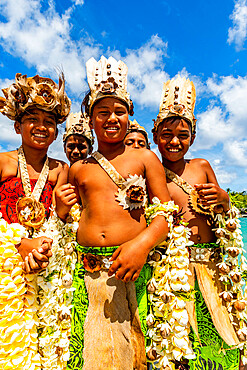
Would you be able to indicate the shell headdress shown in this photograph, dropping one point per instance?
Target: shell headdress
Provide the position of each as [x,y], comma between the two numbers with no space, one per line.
[39,92]
[78,124]
[107,78]
[178,99]
[134,126]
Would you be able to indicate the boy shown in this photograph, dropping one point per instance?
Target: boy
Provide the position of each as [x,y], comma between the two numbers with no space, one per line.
[113,240]
[136,136]
[193,186]
[37,105]
[78,138]
[27,181]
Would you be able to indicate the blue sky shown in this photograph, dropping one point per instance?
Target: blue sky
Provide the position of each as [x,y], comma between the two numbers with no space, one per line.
[202,40]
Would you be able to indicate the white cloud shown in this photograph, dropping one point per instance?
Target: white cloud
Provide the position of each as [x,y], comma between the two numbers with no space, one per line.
[8,134]
[224,121]
[237,152]
[223,176]
[145,71]
[238,32]
[42,39]
[78,2]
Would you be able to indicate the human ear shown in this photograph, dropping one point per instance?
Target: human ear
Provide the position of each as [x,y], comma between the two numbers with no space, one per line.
[155,138]
[90,123]
[192,139]
[17,127]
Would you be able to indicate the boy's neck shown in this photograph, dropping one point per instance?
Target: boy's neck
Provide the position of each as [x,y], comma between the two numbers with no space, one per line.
[111,150]
[177,167]
[34,157]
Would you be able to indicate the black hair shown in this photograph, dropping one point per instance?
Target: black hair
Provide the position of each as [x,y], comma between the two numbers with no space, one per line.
[85,104]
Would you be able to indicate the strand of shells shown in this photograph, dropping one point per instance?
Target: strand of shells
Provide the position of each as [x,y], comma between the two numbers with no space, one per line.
[56,292]
[168,322]
[232,268]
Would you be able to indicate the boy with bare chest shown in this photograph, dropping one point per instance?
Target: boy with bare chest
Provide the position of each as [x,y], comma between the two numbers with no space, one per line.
[113,240]
[193,186]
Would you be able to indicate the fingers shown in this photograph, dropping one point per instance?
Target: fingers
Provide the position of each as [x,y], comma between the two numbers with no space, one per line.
[46,249]
[204,186]
[29,265]
[114,267]
[43,265]
[38,256]
[65,187]
[32,263]
[45,239]
[26,266]
[135,276]
[66,193]
[115,254]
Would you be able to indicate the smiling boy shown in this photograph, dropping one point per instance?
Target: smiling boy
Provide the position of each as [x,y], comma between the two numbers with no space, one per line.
[78,139]
[28,178]
[193,186]
[113,240]
[37,105]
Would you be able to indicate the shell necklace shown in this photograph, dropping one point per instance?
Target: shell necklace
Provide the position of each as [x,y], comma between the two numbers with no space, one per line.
[30,211]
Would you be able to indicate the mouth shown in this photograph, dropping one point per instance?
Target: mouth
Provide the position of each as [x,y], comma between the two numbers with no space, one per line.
[111,128]
[40,136]
[173,150]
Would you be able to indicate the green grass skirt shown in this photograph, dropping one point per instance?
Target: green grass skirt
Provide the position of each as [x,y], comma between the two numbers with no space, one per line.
[80,304]
[213,353]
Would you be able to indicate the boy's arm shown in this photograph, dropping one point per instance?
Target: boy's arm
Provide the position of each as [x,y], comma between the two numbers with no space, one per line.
[66,195]
[130,257]
[62,179]
[211,193]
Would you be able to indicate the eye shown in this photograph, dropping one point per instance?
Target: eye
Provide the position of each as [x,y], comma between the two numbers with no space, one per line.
[165,134]
[103,112]
[120,112]
[51,123]
[81,147]
[183,136]
[32,119]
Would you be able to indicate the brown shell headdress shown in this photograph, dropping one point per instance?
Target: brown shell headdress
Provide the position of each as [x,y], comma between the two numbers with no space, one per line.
[78,124]
[39,92]
[107,78]
[178,99]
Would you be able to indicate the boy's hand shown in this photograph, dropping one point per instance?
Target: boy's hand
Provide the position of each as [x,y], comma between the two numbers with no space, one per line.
[35,253]
[128,261]
[65,198]
[212,194]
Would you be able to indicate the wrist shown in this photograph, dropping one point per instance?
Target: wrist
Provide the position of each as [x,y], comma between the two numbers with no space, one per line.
[19,244]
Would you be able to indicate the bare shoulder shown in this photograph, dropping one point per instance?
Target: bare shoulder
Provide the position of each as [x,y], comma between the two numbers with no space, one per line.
[81,165]
[57,164]
[143,154]
[8,155]
[8,164]
[199,162]
[201,171]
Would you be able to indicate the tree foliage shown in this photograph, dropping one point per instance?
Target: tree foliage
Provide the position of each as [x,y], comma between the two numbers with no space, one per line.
[238,199]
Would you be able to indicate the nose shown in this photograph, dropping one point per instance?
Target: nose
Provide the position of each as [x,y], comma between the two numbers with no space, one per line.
[136,145]
[76,150]
[113,117]
[41,124]
[175,140]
